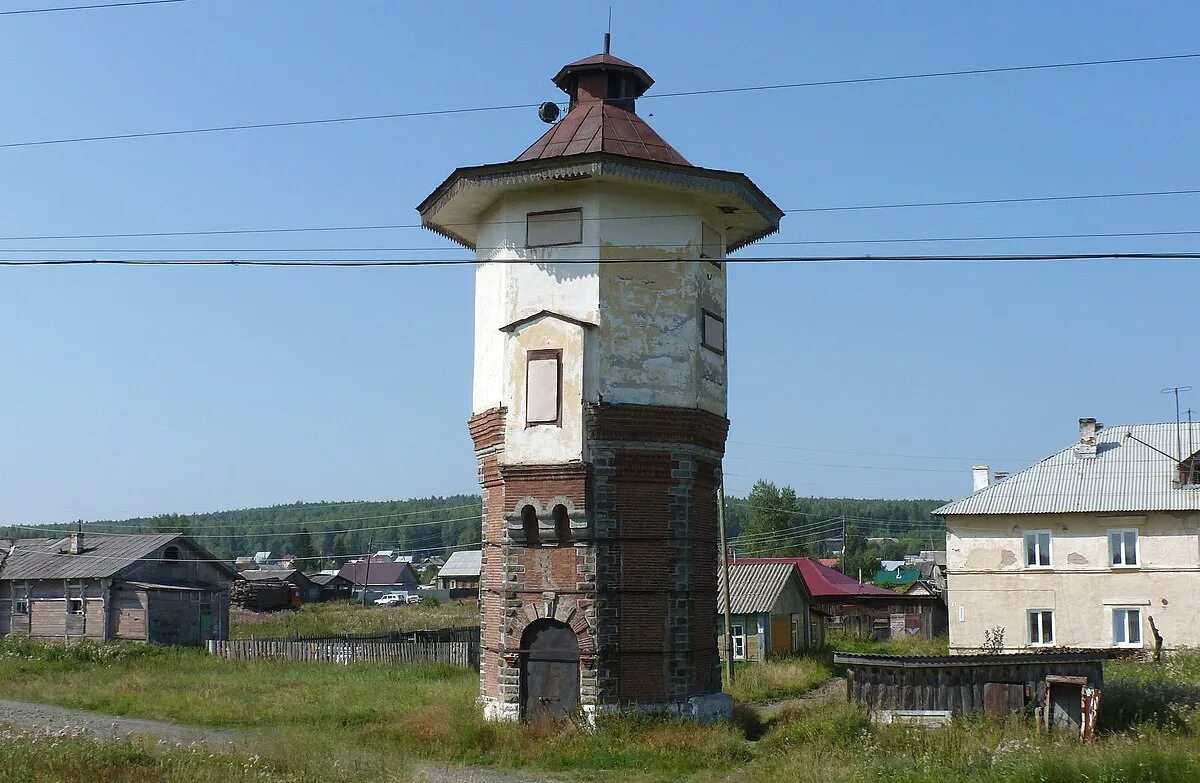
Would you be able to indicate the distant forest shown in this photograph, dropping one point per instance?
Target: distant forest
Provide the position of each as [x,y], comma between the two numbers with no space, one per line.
[436,525]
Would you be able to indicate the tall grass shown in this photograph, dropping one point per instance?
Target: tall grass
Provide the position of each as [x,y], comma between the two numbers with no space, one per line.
[776,680]
[348,617]
[849,643]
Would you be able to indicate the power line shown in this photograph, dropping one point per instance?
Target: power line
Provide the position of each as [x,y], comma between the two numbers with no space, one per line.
[875,453]
[927,75]
[480,109]
[88,7]
[127,524]
[426,249]
[396,526]
[227,232]
[428,262]
[395,226]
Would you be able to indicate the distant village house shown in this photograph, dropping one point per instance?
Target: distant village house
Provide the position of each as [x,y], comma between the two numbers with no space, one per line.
[157,588]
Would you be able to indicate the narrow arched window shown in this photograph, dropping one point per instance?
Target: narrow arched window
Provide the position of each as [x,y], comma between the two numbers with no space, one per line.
[171,553]
[562,524]
[529,523]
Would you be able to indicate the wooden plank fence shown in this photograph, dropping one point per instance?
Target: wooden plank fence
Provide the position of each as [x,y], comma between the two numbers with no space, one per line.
[346,652]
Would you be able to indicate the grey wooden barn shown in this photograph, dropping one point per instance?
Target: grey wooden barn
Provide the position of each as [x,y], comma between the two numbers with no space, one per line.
[1061,688]
[160,588]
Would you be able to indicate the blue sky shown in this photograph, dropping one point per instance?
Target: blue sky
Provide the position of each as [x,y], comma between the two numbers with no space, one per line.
[139,391]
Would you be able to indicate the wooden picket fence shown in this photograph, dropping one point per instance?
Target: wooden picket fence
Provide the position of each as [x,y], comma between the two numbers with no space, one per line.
[346,652]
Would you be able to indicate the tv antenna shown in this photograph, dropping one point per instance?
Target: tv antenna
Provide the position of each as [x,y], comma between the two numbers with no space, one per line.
[1178,422]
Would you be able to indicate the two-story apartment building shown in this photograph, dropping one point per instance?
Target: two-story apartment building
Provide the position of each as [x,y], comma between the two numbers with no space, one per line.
[1096,546]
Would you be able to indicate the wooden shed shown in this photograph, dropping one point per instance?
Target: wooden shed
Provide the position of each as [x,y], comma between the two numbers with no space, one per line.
[1061,688]
[157,587]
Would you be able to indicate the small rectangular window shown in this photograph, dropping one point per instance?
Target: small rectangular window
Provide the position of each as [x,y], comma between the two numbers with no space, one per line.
[1037,549]
[1127,627]
[1041,627]
[712,331]
[711,245]
[560,227]
[739,641]
[75,606]
[1123,548]
[21,606]
[543,392]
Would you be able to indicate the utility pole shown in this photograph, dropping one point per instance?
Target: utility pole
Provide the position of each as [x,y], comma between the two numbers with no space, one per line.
[728,639]
[842,559]
[1191,450]
[367,574]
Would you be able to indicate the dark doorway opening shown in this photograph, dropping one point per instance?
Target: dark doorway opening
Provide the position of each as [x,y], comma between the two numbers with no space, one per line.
[549,671]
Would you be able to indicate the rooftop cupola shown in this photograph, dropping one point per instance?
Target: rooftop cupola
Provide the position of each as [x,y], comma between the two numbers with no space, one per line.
[603,77]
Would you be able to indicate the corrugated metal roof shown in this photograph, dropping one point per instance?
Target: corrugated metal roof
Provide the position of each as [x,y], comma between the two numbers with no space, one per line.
[978,659]
[1125,475]
[462,564]
[754,587]
[102,556]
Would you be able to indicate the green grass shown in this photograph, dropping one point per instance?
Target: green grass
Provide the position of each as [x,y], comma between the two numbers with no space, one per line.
[848,643]
[325,722]
[777,679]
[65,757]
[342,617]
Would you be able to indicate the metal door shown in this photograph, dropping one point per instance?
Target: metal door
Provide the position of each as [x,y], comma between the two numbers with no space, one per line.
[549,671]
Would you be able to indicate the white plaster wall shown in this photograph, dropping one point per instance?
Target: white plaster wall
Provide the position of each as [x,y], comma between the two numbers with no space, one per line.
[650,347]
[545,443]
[990,586]
[647,348]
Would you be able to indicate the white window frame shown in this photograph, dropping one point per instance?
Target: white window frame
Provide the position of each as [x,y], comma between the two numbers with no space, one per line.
[20,606]
[1125,610]
[1137,547]
[708,340]
[1049,553]
[76,602]
[1040,614]
[738,632]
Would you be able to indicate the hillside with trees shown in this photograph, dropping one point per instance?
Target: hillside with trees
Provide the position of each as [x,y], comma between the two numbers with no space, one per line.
[770,520]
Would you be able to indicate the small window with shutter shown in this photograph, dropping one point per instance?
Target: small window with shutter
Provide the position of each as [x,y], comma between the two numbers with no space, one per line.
[559,227]
[712,331]
[711,245]
[543,387]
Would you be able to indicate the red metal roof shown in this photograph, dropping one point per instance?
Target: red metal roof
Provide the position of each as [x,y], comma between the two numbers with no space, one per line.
[596,126]
[822,581]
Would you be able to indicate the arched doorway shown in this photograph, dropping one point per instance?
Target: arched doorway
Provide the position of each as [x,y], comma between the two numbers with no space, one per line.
[549,671]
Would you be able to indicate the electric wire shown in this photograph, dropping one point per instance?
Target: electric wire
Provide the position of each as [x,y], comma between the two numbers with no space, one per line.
[428,249]
[393,226]
[449,262]
[678,94]
[87,7]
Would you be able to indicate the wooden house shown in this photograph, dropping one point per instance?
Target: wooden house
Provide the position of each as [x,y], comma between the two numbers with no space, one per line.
[331,586]
[160,588]
[772,612]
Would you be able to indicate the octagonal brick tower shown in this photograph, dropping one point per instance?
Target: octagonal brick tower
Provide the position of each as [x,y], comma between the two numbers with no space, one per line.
[599,405]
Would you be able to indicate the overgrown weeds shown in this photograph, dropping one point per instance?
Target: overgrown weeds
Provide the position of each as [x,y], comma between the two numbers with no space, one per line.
[777,679]
[349,617]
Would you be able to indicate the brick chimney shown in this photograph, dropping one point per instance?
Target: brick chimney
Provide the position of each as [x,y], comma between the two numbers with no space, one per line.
[76,544]
[1088,429]
[979,477]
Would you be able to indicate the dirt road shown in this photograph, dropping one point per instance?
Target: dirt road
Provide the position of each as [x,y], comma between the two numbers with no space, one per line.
[50,718]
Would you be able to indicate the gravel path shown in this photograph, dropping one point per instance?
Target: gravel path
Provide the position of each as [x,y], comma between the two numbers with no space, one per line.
[51,718]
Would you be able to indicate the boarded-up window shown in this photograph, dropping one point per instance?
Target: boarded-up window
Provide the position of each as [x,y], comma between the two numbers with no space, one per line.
[712,246]
[543,391]
[560,227]
[712,331]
